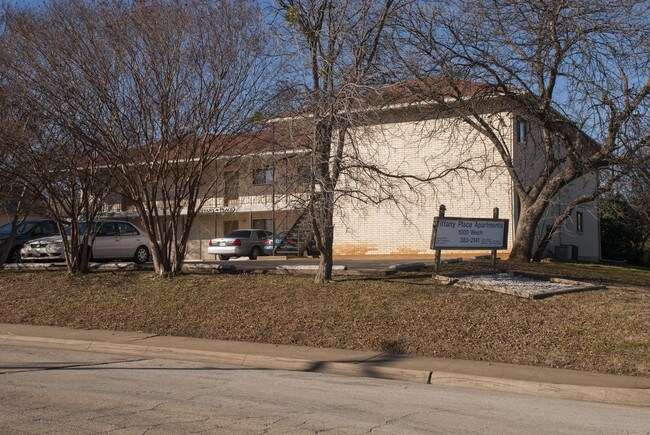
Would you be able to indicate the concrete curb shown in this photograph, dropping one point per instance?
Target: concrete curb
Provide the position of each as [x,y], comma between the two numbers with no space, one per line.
[310,267]
[366,368]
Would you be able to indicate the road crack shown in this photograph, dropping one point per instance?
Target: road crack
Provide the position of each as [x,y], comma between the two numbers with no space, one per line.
[391,420]
[14,370]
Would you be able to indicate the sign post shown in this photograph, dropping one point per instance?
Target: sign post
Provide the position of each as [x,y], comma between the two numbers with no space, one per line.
[461,233]
[495,215]
[441,214]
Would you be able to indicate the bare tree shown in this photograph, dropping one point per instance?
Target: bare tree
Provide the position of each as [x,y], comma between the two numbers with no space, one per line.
[62,172]
[160,91]
[577,72]
[336,45]
[634,187]
[16,201]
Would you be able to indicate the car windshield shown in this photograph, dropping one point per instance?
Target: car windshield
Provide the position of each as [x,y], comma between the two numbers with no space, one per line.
[81,226]
[23,228]
[239,234]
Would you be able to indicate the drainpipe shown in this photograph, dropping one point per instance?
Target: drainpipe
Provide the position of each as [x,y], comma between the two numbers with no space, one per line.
[273,188]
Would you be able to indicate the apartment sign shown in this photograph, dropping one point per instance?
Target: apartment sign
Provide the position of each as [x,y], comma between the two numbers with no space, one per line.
[469,233]
[216,210]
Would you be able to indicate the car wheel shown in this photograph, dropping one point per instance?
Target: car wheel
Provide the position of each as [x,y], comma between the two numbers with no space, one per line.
[141,255]
[14,256]
[255,252]
[223,257]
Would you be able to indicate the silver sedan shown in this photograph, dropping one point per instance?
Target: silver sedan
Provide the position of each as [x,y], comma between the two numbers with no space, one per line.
[239,243]
[113,240]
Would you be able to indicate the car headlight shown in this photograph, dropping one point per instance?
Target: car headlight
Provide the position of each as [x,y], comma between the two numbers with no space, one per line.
[54,248]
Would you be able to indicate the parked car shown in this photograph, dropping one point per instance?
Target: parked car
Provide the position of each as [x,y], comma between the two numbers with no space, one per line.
[268,244]
[28,230]
[113,240]
[239,243]
[290,247]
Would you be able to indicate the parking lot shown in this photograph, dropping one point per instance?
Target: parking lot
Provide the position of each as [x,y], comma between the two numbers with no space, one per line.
[369,264]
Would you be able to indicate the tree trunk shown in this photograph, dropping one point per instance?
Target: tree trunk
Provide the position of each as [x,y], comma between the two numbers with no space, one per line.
[324,273]
[19,216]
[163,265]
[524,241]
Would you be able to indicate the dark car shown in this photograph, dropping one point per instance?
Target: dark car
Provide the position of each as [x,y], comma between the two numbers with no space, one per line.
[290,247]
[269,246]
[28,230]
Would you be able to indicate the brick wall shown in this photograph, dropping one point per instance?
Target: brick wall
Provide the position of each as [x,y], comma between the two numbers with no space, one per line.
[424,149]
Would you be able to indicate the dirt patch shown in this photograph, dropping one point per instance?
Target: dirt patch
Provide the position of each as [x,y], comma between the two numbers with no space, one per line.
[412,313]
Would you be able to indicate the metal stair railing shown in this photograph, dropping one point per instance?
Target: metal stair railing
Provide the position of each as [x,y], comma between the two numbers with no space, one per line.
[298,236]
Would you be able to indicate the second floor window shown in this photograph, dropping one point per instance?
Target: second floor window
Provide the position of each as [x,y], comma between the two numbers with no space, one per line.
[521,130]
[263,176]
[304,174]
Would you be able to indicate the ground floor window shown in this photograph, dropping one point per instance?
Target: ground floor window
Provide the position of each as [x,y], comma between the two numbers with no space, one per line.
[263,224]
[579,227]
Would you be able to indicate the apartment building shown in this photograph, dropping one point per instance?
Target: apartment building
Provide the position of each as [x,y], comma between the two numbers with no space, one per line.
[441,159]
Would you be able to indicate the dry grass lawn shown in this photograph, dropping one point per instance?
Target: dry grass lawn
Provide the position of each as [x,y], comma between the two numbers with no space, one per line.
[605,330]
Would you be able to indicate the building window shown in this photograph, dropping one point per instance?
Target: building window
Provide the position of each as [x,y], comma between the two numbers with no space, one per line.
[263,176]
[521,130]
[263,224]
[579,221]
[304,174]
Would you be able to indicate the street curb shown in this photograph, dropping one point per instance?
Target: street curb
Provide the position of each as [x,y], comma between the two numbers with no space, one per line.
[620,396]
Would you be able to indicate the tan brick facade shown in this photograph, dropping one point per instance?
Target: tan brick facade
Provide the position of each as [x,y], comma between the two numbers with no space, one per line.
[400,143]
[424,149]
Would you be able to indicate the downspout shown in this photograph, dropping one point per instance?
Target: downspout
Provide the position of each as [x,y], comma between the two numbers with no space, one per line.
[273,188]
[600,252]
[559,211]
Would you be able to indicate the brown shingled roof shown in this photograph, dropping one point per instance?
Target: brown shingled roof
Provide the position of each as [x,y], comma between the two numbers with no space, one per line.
[279,140]
[230,145]
[418,90]
[411,92]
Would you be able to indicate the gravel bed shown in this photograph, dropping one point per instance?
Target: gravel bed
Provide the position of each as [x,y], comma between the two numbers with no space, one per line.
[522,286]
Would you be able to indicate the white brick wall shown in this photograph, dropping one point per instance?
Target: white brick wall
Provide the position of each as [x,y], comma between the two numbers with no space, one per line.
[423,149]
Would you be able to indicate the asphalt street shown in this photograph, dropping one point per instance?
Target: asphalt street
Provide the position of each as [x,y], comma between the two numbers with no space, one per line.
[54,391]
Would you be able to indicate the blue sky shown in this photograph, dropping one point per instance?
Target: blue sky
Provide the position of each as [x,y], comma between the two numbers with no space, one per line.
[24,3]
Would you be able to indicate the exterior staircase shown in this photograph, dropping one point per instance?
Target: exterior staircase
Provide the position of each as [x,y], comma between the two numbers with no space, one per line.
[299,237]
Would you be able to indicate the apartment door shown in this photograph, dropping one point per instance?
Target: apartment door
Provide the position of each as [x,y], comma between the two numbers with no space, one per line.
[229,226]
[231,188]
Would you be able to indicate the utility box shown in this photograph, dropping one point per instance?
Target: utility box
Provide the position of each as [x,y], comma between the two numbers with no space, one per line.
[566,252]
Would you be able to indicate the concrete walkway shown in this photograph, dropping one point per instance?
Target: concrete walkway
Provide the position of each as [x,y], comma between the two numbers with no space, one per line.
[546,382]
